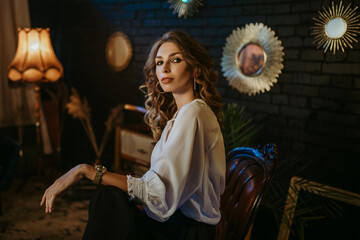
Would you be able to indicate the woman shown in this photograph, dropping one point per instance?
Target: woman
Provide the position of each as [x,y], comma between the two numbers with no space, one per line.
[180,194]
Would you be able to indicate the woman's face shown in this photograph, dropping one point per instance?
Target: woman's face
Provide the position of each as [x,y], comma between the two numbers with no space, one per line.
[172,70]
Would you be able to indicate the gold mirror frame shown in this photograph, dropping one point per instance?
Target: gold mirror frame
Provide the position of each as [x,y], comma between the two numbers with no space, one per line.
[118,51]
[328,17]
[185,7]
[265,38]
[297,185]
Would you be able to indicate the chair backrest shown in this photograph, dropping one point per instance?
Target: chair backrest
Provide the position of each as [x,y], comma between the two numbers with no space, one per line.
[248,173]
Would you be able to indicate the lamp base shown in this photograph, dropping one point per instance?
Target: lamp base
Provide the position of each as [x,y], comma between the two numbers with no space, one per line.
[38,131]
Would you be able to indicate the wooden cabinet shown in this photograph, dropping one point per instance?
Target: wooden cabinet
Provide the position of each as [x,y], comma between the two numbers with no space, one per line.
[133,143]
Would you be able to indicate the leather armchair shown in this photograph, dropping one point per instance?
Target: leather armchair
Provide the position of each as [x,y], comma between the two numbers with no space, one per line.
[248,174]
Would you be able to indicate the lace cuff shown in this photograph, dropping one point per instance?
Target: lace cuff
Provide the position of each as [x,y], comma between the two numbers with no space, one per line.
[136,188]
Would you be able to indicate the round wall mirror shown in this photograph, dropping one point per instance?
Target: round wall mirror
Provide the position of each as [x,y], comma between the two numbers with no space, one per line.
[335,28]
[118,51]
[251,59]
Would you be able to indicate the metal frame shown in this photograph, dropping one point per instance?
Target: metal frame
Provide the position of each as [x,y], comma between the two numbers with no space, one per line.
[263,36]
[296,185]
[336,11]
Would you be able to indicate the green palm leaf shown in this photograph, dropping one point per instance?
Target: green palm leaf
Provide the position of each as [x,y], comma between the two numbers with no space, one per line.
[238,130]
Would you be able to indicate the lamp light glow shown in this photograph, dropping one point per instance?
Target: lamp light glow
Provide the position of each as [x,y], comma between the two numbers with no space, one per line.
[34,46]
[35,59]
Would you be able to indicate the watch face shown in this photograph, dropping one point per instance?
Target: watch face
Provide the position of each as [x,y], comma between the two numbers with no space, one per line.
[100,168]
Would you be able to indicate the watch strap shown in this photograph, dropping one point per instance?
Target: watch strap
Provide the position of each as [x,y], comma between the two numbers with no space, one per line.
[100,170]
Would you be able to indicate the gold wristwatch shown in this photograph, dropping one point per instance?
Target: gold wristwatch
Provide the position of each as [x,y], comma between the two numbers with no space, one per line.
[100,170]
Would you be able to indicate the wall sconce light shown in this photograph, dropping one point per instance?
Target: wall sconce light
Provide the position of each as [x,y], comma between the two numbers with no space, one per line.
[35,62]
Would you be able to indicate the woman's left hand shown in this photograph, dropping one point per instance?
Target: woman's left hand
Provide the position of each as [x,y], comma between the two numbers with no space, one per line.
[72,176]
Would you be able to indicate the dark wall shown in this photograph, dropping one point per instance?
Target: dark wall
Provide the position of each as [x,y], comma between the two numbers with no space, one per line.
[313,112]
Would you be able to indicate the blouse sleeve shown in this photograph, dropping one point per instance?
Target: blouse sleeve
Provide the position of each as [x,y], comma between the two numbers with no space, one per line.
[163,186]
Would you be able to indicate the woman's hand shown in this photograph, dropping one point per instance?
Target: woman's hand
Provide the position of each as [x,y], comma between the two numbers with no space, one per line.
[72,176]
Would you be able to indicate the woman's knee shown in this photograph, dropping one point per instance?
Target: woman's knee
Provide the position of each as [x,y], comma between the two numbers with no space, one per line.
[108,197]
[111,211]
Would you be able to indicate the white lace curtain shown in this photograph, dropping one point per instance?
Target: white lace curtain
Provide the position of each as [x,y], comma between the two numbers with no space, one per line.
[17,106]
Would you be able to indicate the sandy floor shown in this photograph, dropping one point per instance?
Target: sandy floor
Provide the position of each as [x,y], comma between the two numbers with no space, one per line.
[23,218]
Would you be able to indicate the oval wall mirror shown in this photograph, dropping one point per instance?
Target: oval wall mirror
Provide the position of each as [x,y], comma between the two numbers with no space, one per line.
[118,51]
[252,59]
[336,27]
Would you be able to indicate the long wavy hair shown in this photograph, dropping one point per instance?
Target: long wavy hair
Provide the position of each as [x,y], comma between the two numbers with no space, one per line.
[161,105]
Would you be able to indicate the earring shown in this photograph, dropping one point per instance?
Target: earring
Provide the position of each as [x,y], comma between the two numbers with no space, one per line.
[157,87]
[194,85]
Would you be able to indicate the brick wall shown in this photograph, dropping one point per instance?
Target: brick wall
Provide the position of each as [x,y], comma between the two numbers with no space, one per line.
[313,110]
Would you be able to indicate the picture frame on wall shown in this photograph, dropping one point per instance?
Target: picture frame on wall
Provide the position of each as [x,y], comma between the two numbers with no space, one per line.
[298,185]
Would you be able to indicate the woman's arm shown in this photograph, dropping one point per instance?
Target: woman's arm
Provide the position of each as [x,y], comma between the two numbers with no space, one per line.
[73,176]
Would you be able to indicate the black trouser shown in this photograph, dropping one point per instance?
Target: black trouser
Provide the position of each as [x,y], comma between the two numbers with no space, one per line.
[112,216]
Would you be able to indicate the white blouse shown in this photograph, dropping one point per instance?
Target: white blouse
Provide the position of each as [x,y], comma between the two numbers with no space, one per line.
[187,168]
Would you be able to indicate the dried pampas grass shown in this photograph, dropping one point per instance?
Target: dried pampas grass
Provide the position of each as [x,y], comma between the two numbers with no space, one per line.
[79,109]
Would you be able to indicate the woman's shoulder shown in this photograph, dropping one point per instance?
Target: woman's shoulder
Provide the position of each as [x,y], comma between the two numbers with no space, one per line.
[197,105]
[196,109]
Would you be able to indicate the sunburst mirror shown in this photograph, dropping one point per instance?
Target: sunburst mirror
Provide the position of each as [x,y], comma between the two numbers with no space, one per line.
[185,8]
[336,27]
[252,58]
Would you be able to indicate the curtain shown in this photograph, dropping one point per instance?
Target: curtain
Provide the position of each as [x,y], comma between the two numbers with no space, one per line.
[17,106]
